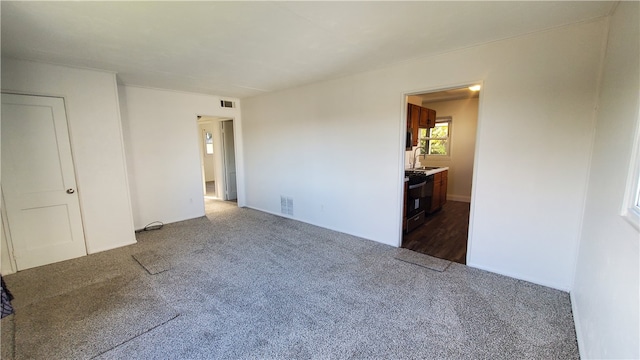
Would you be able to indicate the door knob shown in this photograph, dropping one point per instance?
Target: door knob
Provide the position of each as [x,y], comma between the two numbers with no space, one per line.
[70,191]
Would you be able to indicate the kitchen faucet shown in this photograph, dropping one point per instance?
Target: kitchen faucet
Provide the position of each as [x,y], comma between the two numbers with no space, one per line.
[415,156]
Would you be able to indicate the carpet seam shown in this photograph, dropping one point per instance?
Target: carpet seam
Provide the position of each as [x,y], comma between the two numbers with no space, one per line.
[425,267]
[135,337]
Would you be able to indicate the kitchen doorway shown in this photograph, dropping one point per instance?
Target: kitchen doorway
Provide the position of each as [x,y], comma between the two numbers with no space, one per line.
[444,150]
[217,157]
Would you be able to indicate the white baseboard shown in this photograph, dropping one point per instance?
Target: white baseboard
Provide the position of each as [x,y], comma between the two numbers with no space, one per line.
[462,198]
[576,324]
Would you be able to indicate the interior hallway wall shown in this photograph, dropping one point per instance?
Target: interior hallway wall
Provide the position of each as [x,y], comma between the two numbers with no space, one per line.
[337,148]
[163,152]
[605,294]
[93,117]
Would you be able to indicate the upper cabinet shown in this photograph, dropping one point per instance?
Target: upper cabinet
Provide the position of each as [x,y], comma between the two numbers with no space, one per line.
[423,122]
[413,115]
[419,117]
[431,117]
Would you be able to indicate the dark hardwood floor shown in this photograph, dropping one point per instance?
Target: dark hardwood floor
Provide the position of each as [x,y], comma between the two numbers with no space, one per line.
[444,233]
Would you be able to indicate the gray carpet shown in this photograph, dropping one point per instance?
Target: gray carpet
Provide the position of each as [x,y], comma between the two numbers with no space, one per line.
[153,262]
[89,321]
[250,285]
[423,260]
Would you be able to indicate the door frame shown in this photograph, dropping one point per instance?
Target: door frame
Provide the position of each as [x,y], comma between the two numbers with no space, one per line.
[402,154]
[220,181]
[6,240]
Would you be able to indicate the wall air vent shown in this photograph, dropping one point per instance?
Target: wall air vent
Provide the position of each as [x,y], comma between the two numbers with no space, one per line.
[227,104]
[286,205]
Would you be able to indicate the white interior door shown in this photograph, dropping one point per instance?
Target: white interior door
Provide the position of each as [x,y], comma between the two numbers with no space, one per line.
[231,190]
[38,181]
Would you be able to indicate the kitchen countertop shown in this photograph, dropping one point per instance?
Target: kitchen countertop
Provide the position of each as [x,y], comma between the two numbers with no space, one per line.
[428,170]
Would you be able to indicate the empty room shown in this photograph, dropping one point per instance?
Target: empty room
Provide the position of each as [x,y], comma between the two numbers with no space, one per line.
[234,180]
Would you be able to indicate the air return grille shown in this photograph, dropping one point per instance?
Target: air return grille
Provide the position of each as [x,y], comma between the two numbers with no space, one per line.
[286,205]
[227,104]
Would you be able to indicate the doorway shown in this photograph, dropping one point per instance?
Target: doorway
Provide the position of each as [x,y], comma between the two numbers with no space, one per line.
[42,213]
[207,159]
[217,157]
[447,144]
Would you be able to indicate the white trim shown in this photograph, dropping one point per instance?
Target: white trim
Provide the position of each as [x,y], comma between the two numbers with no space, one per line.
[461,198]
[631,202]
[578,328]
[519,276]
[115,246]
[474,174]
[7,238]
[402,156]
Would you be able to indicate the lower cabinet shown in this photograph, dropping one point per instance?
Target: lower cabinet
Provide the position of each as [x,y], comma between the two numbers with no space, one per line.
[439,197]
[443,187]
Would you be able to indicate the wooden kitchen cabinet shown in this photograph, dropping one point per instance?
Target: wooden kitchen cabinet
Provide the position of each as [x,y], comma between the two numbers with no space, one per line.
[435,198]
[439,197]
[423,121]
[443,187]
[419,117]
[413,120]
[431,118]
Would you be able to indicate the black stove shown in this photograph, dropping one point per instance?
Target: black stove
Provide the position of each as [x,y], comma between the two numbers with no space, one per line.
[419,193]
[415,177]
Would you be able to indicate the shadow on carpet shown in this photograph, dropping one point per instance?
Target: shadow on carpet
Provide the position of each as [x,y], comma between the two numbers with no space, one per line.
[89,321]
[423,260]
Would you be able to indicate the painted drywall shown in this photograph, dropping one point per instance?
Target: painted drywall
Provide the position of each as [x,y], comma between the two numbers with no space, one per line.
[337,148]
[464,115]
[93,116]
[605,294]
[162,146]
[415,100]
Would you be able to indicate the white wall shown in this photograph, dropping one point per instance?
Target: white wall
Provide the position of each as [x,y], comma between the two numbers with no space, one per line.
[162,146]
[605,294]
[414,99]
[337,148]
[93,116]
[464,114]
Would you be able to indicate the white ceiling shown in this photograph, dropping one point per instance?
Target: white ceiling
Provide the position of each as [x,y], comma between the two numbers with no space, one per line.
[241,49]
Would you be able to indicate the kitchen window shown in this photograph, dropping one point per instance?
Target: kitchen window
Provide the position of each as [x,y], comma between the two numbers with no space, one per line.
[437,140]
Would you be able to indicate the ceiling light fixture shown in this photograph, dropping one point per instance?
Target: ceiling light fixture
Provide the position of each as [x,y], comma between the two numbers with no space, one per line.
[474,87]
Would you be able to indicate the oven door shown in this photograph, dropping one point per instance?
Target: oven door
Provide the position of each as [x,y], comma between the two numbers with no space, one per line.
[415,198]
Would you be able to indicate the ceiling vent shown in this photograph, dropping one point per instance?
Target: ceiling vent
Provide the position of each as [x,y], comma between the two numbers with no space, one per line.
[227,104]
